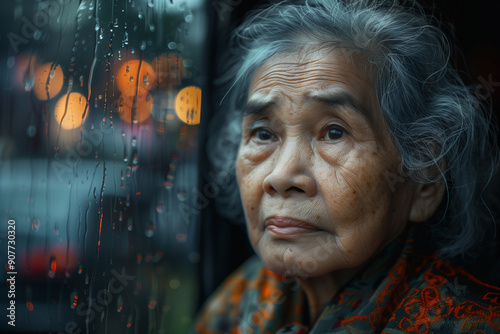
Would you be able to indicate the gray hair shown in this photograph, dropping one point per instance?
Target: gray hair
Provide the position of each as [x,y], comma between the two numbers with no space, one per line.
[441,129]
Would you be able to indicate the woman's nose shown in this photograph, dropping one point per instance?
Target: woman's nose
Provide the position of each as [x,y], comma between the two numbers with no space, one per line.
[291,172]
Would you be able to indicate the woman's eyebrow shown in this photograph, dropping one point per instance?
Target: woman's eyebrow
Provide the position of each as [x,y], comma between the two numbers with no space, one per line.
[257,107]
[339,98]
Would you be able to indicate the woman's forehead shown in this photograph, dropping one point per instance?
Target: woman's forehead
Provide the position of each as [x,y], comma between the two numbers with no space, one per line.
[301,76]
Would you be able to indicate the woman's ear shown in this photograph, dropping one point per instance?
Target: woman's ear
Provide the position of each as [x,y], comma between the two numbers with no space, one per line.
[426,201]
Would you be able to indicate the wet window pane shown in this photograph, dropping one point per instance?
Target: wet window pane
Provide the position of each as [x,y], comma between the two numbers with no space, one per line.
[100,117]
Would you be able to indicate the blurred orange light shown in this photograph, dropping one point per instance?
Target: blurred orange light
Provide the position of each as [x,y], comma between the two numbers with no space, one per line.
[49,79]
[135,77]
[188,105]
[71,110]
[29,306]
[135,109]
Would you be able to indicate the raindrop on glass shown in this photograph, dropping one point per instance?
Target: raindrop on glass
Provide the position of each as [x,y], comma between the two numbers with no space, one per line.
[31,131]
[119,304]
[36,225]
[172,45]
[145,80]
[182,196]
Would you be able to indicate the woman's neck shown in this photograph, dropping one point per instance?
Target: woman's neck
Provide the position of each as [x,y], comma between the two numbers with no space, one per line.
[320,290]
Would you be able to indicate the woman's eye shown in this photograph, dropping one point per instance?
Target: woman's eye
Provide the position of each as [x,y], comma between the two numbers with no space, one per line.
[263,135]
[334,134]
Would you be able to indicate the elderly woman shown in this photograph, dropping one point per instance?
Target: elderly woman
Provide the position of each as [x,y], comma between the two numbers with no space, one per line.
[362,156]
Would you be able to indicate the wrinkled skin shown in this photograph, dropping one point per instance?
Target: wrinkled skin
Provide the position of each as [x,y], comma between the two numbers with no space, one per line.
[314,148]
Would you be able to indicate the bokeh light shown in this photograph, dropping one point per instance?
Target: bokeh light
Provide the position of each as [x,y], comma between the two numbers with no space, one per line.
[48,82]
[135,77]
[71,110]
[188,105]
[135,109]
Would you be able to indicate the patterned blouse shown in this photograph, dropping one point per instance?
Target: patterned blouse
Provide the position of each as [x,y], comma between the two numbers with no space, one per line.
[403,290]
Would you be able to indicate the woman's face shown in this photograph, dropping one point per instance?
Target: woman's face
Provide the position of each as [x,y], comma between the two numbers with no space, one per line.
[317,170]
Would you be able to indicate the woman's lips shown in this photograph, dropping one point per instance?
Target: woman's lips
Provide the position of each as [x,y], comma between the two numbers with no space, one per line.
[288,226]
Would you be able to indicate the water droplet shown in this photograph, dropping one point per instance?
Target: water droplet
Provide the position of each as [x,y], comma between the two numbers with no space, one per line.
[131,78]
[152,304]
[145,80]
[149,233]
[11,61]
[152,28]
[36,225]
[52,267]
[74,299]
[134,142]
[182,196]
[159,209]
[172,45]
[181,237]
[140,15]
[189,18]
[143,45]
[31,131]
[119,304]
